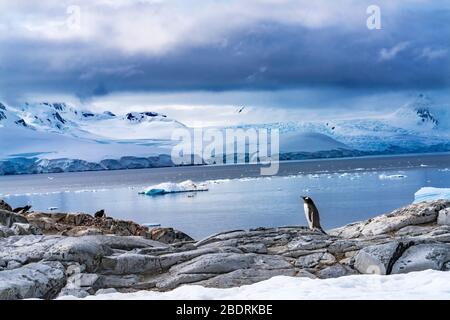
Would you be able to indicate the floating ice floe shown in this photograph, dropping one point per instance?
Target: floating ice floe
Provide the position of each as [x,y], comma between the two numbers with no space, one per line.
[392,177]
[170,187]
[430,193]
[90,190]
[218,181]
[151,224]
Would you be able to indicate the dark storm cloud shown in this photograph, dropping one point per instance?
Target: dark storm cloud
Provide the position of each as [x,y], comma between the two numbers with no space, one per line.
[411,51]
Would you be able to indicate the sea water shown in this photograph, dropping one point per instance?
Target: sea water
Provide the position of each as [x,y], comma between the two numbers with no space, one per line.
[237,198]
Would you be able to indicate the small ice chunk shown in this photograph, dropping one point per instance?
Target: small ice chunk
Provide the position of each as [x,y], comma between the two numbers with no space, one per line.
[392,176]
[151,224]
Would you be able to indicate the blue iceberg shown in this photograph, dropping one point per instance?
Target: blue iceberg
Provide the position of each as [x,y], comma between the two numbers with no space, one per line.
[430,193]
[171,187]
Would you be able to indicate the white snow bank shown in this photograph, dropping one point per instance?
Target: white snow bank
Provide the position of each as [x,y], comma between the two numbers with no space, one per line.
[430,193]
[428,284]
[170,187]
[391,177]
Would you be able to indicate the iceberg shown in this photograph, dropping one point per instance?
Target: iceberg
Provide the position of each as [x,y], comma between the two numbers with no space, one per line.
[430,193]
[391,177]
[171,187]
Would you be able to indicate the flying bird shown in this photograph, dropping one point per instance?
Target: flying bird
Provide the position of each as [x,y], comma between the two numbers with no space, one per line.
[241,109]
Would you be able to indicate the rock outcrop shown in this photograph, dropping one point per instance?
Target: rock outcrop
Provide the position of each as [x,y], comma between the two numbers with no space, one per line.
[408,239]
[80,224]
[5,206]
[169,235]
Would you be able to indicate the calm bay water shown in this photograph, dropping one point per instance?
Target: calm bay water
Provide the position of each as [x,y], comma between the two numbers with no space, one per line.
[345,190]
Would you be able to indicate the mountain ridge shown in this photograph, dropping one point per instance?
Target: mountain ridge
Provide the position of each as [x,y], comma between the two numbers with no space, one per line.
[58,137]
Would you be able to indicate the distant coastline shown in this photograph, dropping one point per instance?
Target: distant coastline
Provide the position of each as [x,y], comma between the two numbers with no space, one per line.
[23,165]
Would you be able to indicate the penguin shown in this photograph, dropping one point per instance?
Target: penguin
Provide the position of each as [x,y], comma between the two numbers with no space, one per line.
[312,214]
[22,210]
[100,214]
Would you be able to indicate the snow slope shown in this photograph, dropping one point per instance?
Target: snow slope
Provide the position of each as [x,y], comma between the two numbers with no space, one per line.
[56,137]
[309,142]
[63,118]
[134,125]
[422,285]
[19,142]
[418,126]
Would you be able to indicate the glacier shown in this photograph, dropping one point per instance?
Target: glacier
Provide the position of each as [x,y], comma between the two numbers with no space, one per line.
[56,137]
[52,137]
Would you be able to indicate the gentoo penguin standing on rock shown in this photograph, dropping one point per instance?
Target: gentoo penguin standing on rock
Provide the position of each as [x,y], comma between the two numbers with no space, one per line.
[312,214]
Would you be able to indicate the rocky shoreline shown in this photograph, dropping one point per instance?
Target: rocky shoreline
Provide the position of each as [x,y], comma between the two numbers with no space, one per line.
[46,256]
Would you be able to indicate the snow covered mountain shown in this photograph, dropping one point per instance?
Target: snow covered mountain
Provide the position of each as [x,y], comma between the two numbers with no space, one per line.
[57,137]
[418,126]
[63,118]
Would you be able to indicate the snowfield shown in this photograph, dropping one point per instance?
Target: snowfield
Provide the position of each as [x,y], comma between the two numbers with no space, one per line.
[415,285]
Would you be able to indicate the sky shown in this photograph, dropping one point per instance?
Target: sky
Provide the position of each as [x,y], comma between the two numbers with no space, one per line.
[200,61]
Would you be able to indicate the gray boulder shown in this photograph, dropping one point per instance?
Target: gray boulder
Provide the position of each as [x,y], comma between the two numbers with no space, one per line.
[312,260]
[217,263]
[242,277]
[170,282]
[5,206]
[77,293]
[5,232]
[444,217]
[131,263]
[84,250]
[117,281]
[254,248]
[125,242]
[422,257]
[8,218]
[82,280]
[26,249]
[169,235]
[414,214]
[335,271]
[170,259]
[36,280]
[91,282]
[12,264]
[22,229]
[377,259]
[309,243]
[105,291]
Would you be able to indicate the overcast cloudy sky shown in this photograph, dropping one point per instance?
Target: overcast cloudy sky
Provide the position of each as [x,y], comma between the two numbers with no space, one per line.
[199,60]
